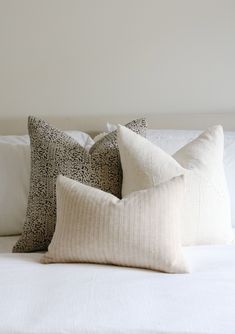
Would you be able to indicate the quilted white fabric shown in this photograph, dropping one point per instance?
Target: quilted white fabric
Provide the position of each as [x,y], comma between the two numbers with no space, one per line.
[14,176]
[141,230]
[206,218]
[76,298]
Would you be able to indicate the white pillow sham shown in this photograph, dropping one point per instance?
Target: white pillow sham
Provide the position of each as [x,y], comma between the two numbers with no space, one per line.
[206,218]
[141,230]
[15,175]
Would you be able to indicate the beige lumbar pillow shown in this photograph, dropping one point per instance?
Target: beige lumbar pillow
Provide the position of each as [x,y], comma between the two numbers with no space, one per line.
[206,214]
[141,230]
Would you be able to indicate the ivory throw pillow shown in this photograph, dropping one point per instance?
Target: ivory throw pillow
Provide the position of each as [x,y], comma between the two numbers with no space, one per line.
[206,218]
[53,152]
[141,230]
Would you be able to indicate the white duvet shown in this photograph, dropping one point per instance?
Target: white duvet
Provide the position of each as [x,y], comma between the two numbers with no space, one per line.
[92,299]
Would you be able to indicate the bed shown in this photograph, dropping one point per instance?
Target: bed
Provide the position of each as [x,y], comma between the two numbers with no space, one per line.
[83,298]
[98,299]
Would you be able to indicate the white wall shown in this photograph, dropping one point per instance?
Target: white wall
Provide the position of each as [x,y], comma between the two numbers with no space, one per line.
[96,57]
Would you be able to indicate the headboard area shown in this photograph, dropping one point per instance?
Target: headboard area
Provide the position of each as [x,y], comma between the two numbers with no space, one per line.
[93,124]
[79,64]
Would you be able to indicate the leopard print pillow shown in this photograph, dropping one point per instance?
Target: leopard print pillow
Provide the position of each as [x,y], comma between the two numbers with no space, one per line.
[53,152]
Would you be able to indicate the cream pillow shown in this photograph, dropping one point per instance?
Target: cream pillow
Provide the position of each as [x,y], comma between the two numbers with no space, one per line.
[206,217]
[140,230]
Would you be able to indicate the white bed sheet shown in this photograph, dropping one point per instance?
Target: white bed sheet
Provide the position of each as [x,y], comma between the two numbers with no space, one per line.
[96,299]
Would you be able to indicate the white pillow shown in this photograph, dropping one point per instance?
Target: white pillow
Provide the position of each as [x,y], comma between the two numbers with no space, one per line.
[206,218]
[141,230]
[14,177]
[172,140]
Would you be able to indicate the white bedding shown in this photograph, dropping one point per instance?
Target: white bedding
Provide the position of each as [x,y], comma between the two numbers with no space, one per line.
[87,299]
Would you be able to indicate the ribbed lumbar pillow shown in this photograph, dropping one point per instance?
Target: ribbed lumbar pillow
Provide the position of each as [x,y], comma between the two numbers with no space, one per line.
[53,152]
[206,218]
[141,230]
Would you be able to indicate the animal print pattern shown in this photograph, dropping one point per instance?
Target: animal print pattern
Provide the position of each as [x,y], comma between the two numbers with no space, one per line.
[53,152]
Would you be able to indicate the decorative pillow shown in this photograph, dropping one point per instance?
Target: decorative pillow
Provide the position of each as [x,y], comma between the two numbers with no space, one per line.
[52,153]
[141,230]
[206,218]
[172,140]
[15,176]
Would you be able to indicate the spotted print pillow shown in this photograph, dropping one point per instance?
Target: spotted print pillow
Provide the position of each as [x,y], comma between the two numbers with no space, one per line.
[53,152]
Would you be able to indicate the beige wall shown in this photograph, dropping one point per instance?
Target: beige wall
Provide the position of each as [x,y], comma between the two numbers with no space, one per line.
[110,57]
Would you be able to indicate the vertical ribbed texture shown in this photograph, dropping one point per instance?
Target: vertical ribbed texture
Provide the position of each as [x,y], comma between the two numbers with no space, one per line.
[141,230]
